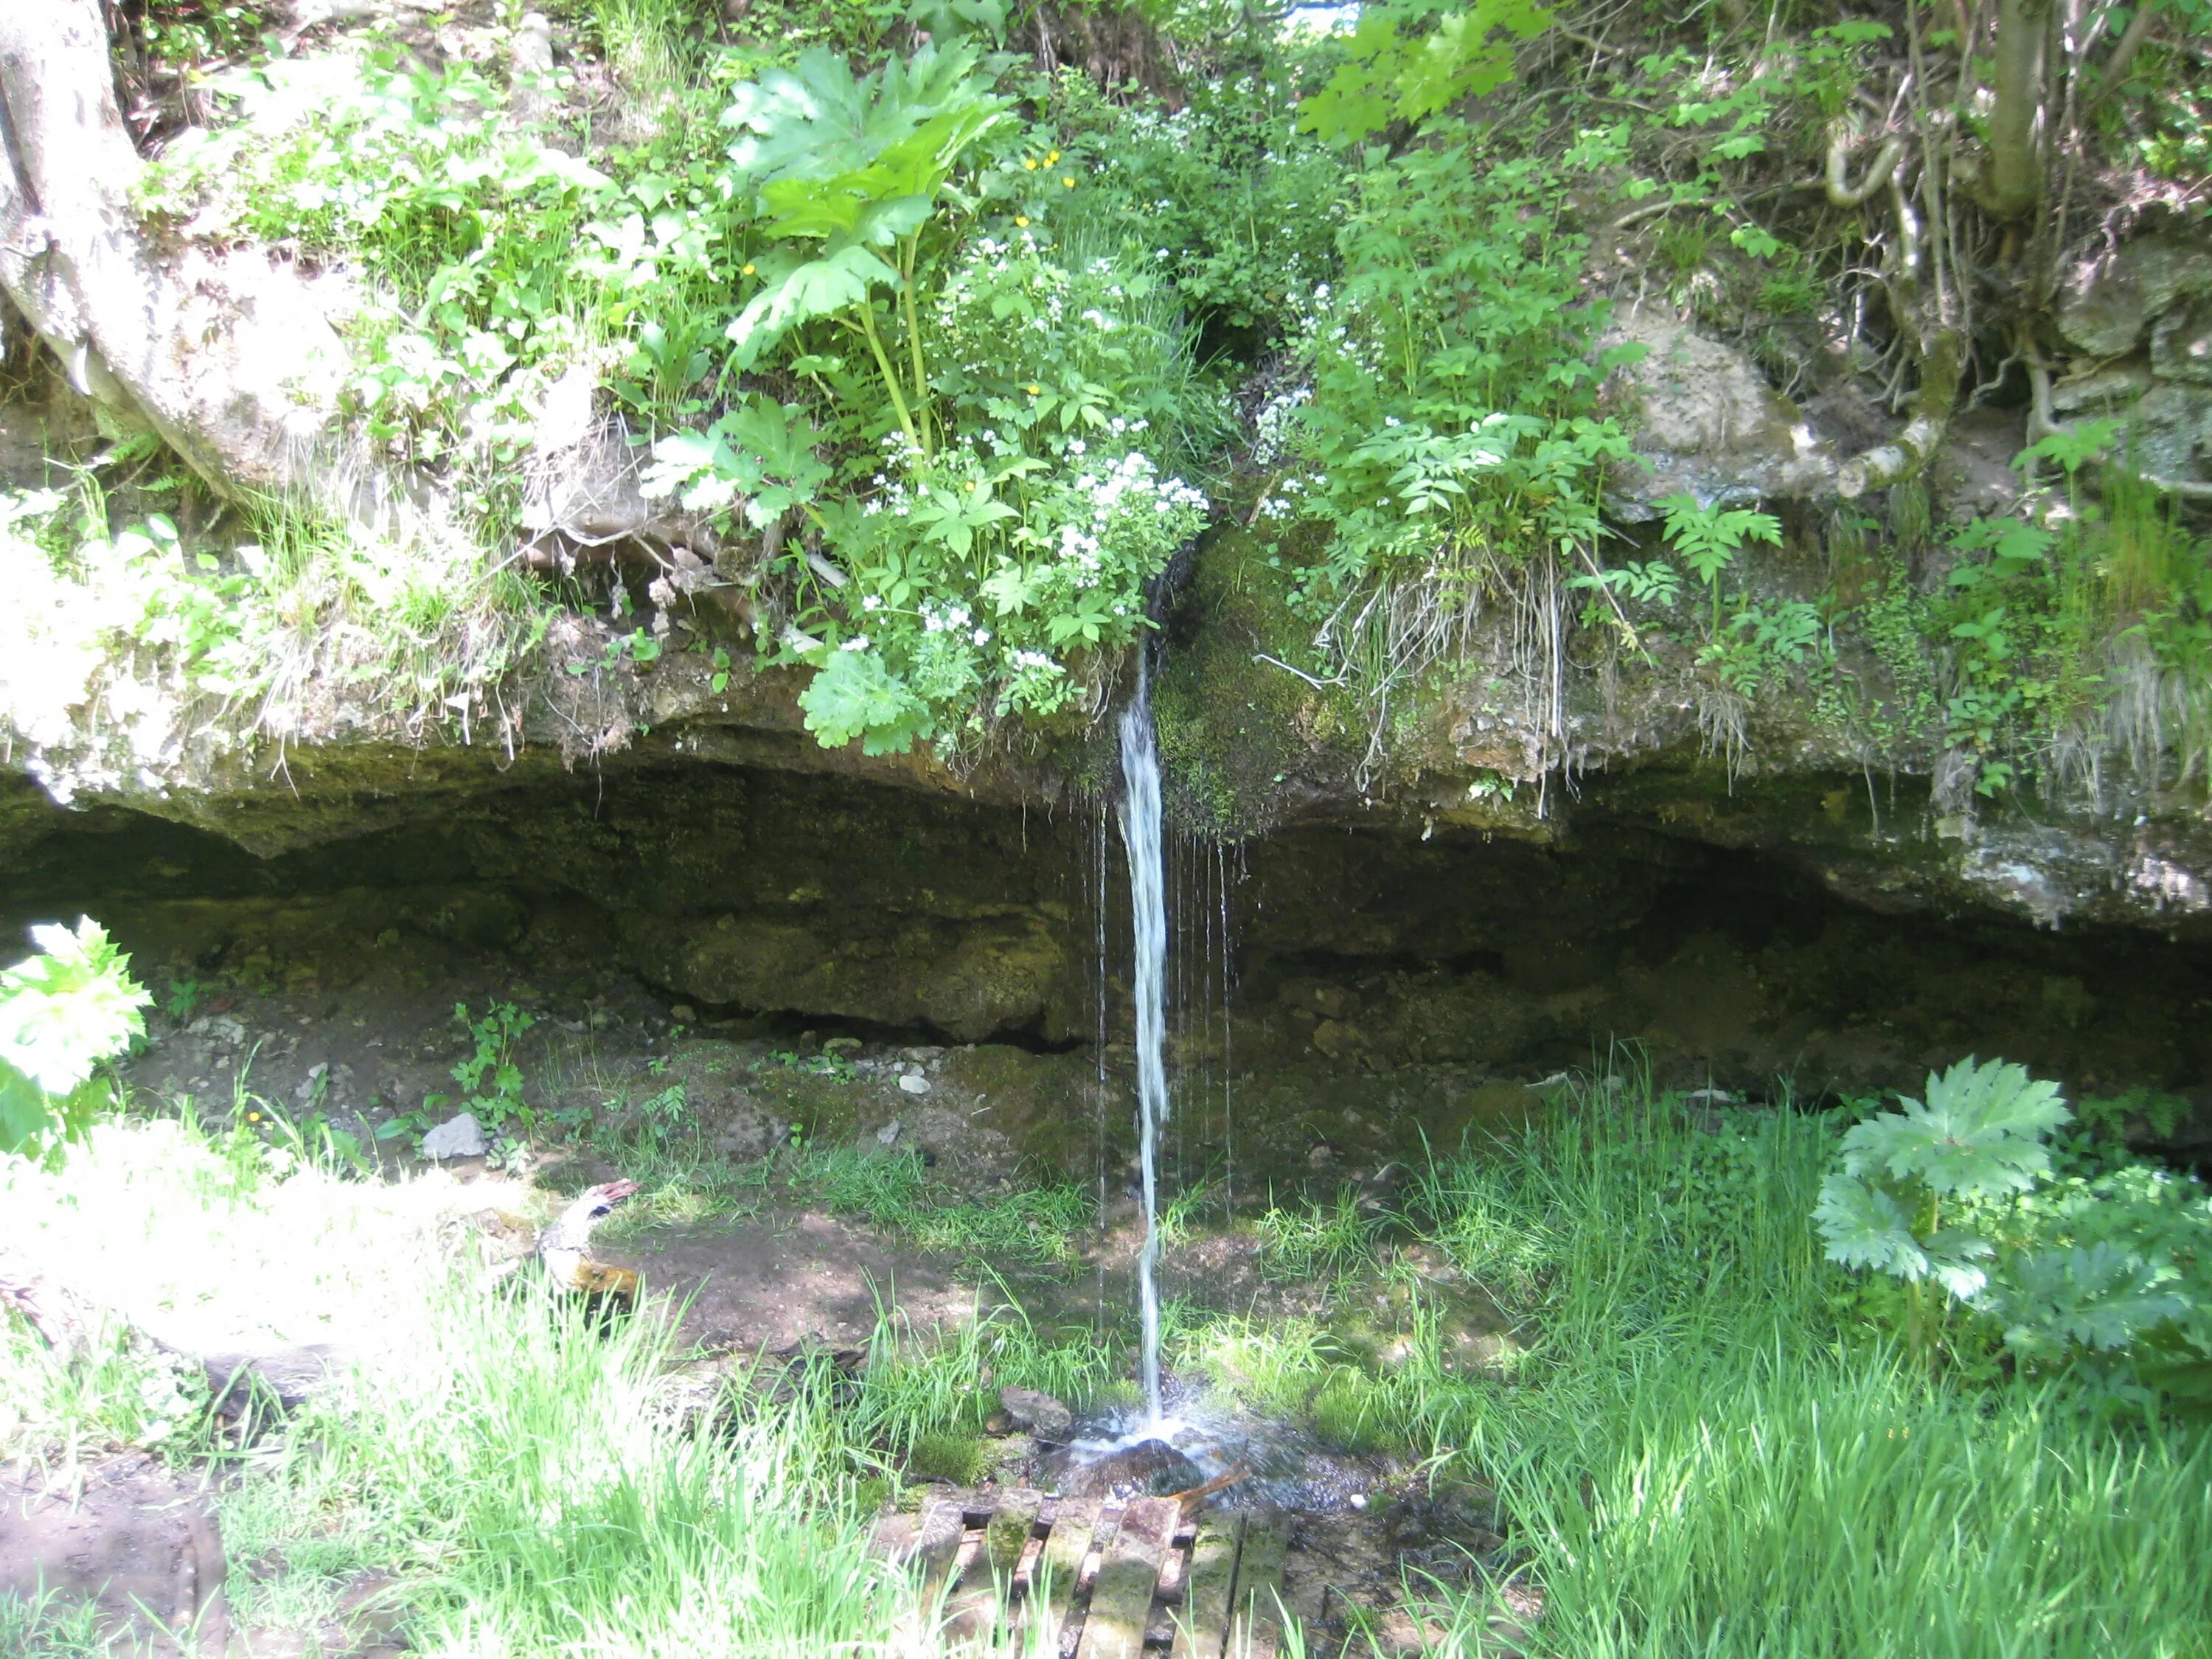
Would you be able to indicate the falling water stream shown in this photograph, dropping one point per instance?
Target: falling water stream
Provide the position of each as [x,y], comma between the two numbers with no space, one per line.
[1140,835]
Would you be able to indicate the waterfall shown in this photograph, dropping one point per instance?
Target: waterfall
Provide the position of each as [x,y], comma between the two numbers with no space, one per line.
[1140,835]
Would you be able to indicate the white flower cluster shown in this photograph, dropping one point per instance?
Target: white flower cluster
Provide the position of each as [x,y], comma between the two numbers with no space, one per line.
[1081,549]
[1033,662]
[945,618]
[1271,428]
[1130,480]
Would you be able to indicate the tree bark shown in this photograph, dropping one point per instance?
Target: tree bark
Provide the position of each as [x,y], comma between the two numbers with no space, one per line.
[227,357]
[2014,183]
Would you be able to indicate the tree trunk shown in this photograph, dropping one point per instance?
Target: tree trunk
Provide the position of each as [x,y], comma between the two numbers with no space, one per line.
[2014,184]
[228,357]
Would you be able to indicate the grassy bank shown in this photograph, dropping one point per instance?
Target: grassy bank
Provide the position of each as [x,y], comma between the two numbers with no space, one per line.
[1700,1446]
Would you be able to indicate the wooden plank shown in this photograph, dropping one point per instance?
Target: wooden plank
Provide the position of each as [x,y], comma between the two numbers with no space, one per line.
[1255,1623]
[1065,1546]
[1121,1599]
[1006,1534]
[892,1537]
[937,1536]
[1203,1623]
[987,1578]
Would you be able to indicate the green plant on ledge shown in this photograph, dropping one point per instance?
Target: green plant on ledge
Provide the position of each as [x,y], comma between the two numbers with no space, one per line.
[63,1011]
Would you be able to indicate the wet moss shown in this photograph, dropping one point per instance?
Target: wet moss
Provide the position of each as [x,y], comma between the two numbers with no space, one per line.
[1243,737]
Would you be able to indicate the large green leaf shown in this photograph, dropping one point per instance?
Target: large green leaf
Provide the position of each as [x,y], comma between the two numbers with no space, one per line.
[802,291]
[62,1013]
[1978,1134]
[855,695]
[818,120]
[66,1009]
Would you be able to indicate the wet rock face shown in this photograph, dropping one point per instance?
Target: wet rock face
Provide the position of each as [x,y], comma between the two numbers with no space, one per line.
[1407,980]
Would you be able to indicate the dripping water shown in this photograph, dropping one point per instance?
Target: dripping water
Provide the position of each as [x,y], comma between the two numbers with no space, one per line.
[1140,837]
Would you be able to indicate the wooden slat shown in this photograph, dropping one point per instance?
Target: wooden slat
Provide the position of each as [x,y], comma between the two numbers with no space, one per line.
[1069,1541]
[937,1536]
[1121,1599]
[1007,1532]
[986,1580]
[892,1537]
[1255,1623]
[1203,1623]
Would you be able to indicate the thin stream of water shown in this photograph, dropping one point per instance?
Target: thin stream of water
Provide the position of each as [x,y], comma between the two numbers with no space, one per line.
[1140,836]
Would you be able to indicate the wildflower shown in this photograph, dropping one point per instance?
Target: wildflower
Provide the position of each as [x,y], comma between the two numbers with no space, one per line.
[1052,159]
[1068,180]
[254,1117]
[1034,390]
[750,268]
[1022,220]
[1030,162]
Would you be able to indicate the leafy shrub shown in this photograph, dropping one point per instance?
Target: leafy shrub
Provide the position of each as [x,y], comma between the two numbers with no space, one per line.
[490,1076]
[2111,1274]
[1449,439]
[964,492]
[1239,208]
[62,1013]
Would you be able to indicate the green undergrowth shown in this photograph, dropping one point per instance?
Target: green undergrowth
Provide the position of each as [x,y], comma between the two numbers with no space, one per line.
[1702,1436]
[1710,1444]
[684,1182]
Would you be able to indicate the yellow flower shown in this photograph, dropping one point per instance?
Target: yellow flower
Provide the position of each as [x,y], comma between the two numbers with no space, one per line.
[1023,220]
[1035,390]
[254,1117]
[750,270]
[1068,180]
[1029,162]
[1052,158]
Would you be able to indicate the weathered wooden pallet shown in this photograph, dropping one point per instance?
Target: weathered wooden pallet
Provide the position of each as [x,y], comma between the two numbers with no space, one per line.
[1024,1572]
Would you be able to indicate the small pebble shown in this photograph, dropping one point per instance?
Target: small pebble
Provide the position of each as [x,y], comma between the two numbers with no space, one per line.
[1358,1500]
[914,1084]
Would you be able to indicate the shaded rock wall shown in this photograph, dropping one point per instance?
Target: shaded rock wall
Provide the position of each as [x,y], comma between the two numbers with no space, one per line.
[1355,953]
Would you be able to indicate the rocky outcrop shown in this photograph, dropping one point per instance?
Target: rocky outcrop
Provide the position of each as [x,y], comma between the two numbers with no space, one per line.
[1707,424]
[2141,317]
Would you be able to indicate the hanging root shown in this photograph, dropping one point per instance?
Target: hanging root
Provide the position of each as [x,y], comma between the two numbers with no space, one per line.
[1941,367]
[1840,191]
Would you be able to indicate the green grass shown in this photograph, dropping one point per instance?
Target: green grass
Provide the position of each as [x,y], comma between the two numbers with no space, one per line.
[1704,1455]
[1703,1450]
[48,1627]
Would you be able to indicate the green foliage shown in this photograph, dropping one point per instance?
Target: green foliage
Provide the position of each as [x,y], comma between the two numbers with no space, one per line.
[490,1076]
[1238,207]
[1708,537]
[1979,1135]
[63,1011]
[1450,439]
[1408,60]
[2109,1273]
[853,171]
[47,1625]
[896,1191]
[1320,1243]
